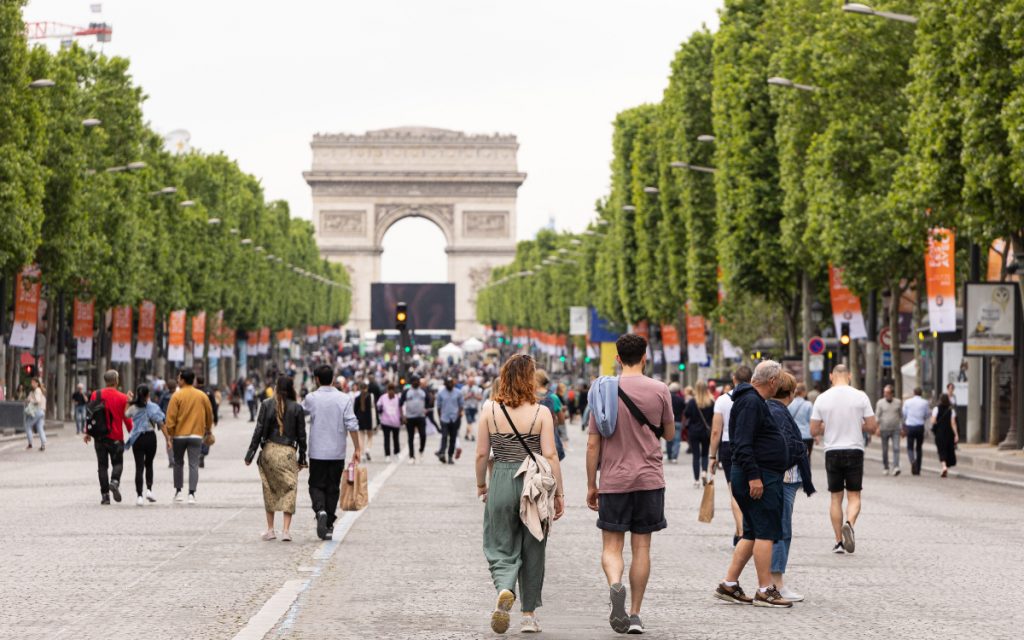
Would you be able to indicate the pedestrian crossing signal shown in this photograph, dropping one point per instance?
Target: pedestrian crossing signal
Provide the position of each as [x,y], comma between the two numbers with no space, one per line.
[682,366]
[408,349]
[561,359]
[586,360]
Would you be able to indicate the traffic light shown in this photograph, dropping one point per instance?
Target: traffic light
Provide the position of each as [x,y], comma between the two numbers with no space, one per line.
[408,349]
[586,359]
[401,316]
[561,359]
[682,366]
[844,334]
[29,370]
[757,355]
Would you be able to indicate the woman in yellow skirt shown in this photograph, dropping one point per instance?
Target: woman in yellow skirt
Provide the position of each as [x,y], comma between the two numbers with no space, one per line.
[281,432]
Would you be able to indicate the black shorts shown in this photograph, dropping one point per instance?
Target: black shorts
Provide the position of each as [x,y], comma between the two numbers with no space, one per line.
[725,458]
[762,518]
[845,469]
[636,511]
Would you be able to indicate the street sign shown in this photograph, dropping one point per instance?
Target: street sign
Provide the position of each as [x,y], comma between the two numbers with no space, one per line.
[578,317]
[887,359]
[817,363]
[816,346]
[885,339]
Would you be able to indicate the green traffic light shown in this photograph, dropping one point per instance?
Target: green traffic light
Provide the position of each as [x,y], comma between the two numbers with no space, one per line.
[408,349]
[562,359]
[587,360]
[682,366]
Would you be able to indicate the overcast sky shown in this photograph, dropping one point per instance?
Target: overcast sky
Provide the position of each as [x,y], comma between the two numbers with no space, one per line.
[257,79]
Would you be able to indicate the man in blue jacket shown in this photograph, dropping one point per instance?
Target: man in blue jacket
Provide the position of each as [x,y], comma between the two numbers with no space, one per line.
[760,456]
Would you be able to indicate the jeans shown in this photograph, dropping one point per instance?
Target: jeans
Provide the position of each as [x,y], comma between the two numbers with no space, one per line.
[699,445]
[109,452]
[193,446]
[412,425]
[144,451]
[780,550]
[79,419]
[895,437]
[449,434]
[672,448]
[325,486]
[915,441]
[252,410]
[38,424]
[390,434]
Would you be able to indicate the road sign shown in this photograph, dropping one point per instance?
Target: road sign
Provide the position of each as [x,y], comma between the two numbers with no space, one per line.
[885,339]
[887,359]
[578,317]
[817,363]
[816,346]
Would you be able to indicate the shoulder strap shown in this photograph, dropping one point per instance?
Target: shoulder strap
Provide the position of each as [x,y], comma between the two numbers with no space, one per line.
[640,417]
[534,423]
[519,436]
[700,412]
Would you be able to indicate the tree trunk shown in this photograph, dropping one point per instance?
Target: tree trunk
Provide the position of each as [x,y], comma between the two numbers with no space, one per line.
[894,338]
[806,321]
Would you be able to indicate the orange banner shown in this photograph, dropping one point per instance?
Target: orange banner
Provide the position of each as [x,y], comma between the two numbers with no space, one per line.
[121,347]
[198,334]
[284,338]
[264,345]
[845,305]
[82,327]
[670,343]
[176,336]
[696,339]
[940,275]
[26,308]
[147,331]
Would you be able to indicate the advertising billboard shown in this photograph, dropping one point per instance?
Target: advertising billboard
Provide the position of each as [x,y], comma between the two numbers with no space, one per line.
[431,305]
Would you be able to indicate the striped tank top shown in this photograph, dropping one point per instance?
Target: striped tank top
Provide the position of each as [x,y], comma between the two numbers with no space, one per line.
[506,446]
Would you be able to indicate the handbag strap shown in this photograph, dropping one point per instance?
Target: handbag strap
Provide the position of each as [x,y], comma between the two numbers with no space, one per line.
[519,435]
[640,417]
[700,412]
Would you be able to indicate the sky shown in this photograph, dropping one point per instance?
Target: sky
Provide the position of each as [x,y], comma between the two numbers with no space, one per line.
[256,79]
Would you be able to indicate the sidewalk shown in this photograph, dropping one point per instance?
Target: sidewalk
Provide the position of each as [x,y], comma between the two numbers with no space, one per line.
[979,462]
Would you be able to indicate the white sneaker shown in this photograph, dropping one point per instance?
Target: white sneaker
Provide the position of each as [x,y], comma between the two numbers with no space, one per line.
[139,501]
[150,496]
[896,471]
[886,473]
[696,484]
[191,498]
[178,497]
[790,595]
[387,459]
[529,625]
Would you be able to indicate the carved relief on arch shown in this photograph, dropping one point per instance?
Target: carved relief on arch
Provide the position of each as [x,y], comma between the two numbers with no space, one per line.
[443,215]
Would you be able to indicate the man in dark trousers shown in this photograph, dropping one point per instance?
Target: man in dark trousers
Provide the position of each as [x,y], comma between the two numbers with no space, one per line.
[331,415]
[211,394]
[760,457]
[110,448]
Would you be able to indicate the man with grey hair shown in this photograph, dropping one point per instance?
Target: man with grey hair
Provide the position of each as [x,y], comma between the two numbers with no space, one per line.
[760,457]
[843,415]
[889,411]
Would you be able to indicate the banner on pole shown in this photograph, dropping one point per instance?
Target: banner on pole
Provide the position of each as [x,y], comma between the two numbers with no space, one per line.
[670,342]
[213,351]
[147,331]
[941,278]
[311,334]
[264,344]
[176,336]
[284,338]
[696,340]
[989,314]
[845,305]
[198,334]
[26,308]
[82,328]
[121,347]
[578,317]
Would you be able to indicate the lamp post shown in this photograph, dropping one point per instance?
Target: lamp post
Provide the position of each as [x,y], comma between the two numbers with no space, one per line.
[776,81]
[691,167]
[863,9]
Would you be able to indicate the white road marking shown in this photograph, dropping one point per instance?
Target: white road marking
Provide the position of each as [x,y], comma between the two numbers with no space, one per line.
[284,602]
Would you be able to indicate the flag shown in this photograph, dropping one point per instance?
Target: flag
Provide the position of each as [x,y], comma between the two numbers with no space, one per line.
[198,334]
[845,305]
[121,347]
[940,276]
[147,331]
[176,336]
[696,340]
[82,327]
[26,308]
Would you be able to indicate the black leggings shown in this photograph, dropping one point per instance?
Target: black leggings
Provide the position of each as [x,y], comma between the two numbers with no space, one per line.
[144,451]
[699,449]
[412,425]
[391,435]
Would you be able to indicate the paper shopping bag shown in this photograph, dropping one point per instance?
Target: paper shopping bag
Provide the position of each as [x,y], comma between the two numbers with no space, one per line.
[355,494]
[707,503]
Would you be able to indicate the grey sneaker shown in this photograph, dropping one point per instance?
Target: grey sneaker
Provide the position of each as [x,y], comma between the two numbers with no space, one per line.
[635,626]
[849,542]
[618,619]
[529,625]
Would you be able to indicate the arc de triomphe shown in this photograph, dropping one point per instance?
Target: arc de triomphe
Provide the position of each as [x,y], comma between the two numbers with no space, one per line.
[465,184]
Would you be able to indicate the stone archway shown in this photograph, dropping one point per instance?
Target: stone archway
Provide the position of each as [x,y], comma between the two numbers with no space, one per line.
[465,184]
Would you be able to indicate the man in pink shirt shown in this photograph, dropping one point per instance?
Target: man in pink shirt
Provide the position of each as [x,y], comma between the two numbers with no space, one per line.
[631,493]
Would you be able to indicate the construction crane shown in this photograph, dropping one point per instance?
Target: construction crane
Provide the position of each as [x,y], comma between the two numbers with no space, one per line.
[66,32]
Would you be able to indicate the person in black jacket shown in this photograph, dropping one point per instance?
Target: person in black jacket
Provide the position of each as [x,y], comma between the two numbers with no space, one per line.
[281,431]
[760,455]
[211,394]
[797,475]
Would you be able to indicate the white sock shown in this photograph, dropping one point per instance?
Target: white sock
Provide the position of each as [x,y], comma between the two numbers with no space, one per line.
[763,589]
[729,584]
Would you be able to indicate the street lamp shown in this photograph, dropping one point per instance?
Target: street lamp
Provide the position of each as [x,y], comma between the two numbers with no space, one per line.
[135,166]
[865,10]
[213,221]
[246,241]
[91,122]
[41,83]
[627,207]
[789,84]
[233,232]
[705,138]
[691,167]
[651,190]
[117,169]
[187,203]
[166,191]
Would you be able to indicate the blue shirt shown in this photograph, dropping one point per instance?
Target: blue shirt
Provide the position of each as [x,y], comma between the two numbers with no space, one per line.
[916,411]
[144,419]
[800,409]
[449,403]
[331,415]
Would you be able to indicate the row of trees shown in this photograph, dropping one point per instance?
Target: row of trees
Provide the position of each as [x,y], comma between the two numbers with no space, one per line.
[107,213]
[732,184]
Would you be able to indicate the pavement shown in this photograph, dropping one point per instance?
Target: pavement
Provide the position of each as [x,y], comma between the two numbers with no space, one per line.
[936,558]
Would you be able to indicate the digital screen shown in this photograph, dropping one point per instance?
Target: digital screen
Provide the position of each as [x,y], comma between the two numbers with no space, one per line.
[431,305]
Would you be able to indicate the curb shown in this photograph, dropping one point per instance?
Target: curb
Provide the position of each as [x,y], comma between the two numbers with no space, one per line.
[953,473]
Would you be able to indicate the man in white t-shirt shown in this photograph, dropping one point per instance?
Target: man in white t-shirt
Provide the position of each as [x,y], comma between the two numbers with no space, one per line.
[843,415]
[720,450]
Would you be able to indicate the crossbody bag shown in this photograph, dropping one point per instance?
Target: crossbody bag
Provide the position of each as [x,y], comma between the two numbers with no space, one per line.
[659,432]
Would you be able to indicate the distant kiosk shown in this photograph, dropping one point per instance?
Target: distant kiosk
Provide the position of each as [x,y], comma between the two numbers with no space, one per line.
[465,184]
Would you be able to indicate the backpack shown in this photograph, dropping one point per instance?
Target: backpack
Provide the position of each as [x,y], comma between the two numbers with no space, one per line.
[96,417]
